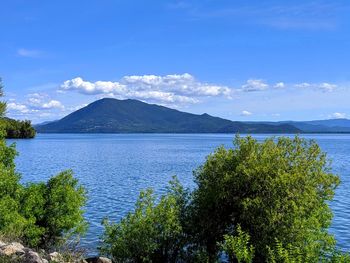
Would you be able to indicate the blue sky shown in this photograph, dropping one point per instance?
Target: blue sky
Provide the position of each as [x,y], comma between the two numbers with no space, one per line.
[241,60]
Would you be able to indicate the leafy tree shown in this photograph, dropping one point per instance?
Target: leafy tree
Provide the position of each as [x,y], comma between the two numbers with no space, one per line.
[63,215]
[152,233]
[277,189]
[53,210]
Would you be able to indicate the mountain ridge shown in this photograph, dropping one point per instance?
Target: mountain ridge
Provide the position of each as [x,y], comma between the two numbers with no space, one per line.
[132,116]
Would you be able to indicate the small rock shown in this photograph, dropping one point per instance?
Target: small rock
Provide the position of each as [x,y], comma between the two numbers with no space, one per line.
[32,257]
[12,249]
[56,257]
[2,244]
[98,260]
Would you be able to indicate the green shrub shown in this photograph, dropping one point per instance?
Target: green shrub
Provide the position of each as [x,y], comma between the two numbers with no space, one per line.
[44,215]
[63,216]
[53,210]
[152,233]
[274,190]
[237,246]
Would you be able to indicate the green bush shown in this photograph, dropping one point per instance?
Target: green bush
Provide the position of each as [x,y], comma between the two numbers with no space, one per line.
[43,215]
[237,246]
[273,190]
[152,233]
[53,210]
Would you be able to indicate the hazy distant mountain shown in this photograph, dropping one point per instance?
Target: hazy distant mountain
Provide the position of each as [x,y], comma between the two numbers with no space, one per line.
[316,126]
[133,116]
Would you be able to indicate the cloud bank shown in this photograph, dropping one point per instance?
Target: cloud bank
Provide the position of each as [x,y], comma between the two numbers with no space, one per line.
[174,88]
[35,102]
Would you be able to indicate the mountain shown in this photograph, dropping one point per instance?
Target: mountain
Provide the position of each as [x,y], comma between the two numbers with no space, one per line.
[316,126]
[133,116]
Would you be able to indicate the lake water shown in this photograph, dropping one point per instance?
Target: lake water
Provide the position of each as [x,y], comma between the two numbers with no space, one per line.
[115,167]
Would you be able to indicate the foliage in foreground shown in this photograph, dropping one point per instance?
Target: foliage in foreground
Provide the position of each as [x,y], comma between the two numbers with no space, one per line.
[38,214]
[152,233]
[256,202]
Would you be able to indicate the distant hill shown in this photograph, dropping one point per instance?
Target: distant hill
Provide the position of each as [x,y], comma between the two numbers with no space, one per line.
[316,126]
[133,116]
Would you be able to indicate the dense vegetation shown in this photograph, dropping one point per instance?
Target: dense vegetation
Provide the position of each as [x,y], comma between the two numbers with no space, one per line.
[126,116]
[16,129]
[256,202]
[38,214]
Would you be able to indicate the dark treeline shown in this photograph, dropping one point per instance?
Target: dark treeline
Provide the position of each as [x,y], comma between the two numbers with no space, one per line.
[16,129]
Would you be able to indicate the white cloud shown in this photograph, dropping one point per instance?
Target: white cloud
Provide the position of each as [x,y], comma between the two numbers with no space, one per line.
[53,104]
[37,95]
[254,85]
[246,113]
[303,85]
[29,53]
[98,87]
[17,107]
[42,101]
[338,115]
[275,114]
[182,88]
[184,84]
[325,86]
[279,85]
[37,104]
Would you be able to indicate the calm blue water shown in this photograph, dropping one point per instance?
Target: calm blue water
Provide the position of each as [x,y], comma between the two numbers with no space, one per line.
[115,167]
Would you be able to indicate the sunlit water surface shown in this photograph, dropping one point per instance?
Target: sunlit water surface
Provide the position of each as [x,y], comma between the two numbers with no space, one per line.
[115,167]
